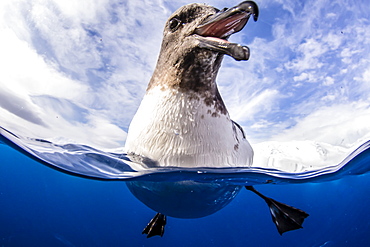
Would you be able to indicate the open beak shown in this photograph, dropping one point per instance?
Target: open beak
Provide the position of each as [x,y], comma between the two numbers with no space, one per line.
[214,30]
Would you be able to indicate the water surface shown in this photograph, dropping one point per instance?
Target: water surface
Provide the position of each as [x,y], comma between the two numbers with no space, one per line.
[81,160]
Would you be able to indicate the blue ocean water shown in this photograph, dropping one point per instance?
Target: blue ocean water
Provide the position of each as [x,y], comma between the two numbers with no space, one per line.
[41,206]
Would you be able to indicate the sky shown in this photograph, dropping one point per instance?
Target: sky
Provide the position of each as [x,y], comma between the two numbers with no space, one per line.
[76,71]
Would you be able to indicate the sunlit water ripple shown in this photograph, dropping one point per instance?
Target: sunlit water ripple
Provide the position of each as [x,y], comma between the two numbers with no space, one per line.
[85,161]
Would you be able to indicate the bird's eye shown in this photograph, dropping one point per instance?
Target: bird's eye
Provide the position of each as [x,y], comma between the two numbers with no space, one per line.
[174,24]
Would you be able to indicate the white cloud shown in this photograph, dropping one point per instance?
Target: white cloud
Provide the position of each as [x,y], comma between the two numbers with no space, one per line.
[309,54]
[83,11]
[329,97]
[328,81]
[301,77]
[260,102]
[20,106]
[343,125]
[366,76]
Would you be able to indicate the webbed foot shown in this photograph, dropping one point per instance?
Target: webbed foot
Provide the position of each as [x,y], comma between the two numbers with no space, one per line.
[285,217]
[155,226]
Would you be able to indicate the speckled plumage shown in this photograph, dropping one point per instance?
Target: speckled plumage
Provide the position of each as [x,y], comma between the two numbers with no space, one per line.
[182,120]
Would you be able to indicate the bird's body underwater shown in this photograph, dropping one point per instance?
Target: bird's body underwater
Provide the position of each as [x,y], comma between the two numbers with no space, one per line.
[182,120]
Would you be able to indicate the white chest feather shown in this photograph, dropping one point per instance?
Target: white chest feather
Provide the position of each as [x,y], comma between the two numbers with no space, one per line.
[176,129]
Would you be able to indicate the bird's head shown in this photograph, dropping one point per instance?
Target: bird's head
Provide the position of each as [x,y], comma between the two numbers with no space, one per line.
[195,39]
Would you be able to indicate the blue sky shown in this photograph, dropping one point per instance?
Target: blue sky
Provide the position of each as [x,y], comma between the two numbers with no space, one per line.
[75,71]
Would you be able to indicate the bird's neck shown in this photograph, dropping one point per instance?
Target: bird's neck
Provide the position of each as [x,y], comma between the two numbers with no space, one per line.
[194,71]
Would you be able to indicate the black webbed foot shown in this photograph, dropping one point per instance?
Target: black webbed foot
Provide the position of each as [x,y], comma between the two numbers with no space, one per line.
[285,217]
[155,226]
